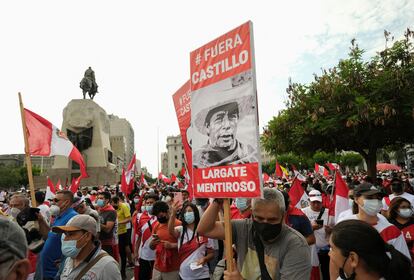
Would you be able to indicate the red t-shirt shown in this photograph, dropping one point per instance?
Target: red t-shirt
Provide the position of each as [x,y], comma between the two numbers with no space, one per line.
[166,260]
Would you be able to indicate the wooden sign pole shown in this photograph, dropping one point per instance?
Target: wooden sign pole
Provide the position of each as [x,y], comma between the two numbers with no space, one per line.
[228,241]
[27,153]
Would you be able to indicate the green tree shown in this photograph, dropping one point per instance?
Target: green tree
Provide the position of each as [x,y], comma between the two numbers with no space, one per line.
[355,106]
[350,159]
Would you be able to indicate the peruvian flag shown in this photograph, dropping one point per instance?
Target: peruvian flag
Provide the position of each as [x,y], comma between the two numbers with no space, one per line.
[50,190]
[321,170]
[143,181]
[298,174]
[164,178]
[182,172]
[266,177]
[297,195]
[59,186]
[332,166]
[339,201]
[127,180]
[45,139]
[173,177]
[75,184]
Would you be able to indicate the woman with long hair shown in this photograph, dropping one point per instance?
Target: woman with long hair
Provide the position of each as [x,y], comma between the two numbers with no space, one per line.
[194,251]
[358,252]
[400,214]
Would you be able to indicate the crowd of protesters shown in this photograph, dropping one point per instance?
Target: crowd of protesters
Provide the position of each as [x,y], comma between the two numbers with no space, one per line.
[159,231]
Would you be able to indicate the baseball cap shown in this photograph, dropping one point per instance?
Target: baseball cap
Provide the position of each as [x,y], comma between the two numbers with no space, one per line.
[366,189]
[315,195]
[12,239]
[78,222]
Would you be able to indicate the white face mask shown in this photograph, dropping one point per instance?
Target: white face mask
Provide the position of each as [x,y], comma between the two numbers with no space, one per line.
[54,210]
[372,206]
[14,212]
[405,213]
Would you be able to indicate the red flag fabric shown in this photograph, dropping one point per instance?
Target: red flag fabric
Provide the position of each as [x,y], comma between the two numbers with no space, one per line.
[182,172]
[50,190]
[340,197]
[321,170]
[173,177]
[297,195]
[58,186]
[75,184]
[143,181]
[332,166]
[45,139]
[164,178]
[127,180]
[278,170]
[265,177]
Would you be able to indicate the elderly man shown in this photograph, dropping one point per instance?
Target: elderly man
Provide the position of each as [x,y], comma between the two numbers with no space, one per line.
[51,253]
[84,257]
[223,148]
[265,245]
[18,203]
[13,251]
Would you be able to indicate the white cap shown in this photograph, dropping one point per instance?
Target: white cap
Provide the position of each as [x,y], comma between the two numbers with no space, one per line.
[315,195]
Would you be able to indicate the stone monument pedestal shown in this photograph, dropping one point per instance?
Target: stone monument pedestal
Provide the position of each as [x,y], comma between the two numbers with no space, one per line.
[87,125]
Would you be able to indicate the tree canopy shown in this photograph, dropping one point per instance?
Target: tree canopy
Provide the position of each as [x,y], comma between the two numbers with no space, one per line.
[356,105]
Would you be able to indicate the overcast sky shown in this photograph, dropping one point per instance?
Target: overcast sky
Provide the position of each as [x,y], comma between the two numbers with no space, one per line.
[139,51]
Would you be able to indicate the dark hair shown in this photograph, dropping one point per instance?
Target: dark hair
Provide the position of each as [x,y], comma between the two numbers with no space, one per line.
[287,199]
[106,195]
[394,205]
[121,196]
[153,196]
[160,206]
[184,223]
[67,194]
[185,191]
[364,240]
[40,197]
[115,199]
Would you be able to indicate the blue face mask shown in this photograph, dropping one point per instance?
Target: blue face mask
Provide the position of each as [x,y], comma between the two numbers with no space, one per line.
[143,209]
[100,203]
[241,204]
[149,209]
[69,248]
[189,217]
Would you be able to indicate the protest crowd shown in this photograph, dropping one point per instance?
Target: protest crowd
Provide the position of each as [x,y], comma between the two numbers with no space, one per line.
[312,226]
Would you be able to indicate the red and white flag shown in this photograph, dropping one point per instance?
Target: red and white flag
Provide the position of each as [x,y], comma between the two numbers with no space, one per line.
[45,139]
[321,170]
[173,178]
[50,190]
[143,181]
[297,195]
[75,184]
[266,177]
[339,201]
[127,180]
[278,170]
[332,166]
[58,186]
[164,178]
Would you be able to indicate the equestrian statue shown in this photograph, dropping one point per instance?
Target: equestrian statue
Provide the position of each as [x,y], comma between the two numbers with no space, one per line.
[88,84]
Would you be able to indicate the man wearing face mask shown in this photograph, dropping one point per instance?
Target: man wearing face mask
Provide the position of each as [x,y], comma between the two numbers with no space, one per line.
[109,224]
[265,237]
[84,257]
[51,254]
[397,191]
[368,199]
[241,208]
[18,203]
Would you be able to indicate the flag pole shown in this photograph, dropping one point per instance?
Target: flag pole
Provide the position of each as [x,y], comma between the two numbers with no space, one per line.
[27,153]
[332,194]
[228,238]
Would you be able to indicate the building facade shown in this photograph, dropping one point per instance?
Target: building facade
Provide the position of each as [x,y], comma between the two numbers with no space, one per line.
[121,138]
[173,160]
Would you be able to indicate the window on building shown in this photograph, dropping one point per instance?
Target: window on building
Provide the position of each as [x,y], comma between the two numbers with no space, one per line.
[175,157]
[182,155]
[175,148]
[175,141]
[176,165]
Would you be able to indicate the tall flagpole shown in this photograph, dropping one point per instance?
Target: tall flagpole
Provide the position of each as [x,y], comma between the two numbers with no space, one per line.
[27,153]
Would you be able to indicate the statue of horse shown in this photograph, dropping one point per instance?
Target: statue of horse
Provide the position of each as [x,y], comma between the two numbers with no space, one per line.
[88,86]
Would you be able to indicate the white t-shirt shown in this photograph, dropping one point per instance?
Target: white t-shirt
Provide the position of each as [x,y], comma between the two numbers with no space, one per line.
[320,234]
[345,214]
[186,273]
[145,252]
[389,233]
[405,195]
